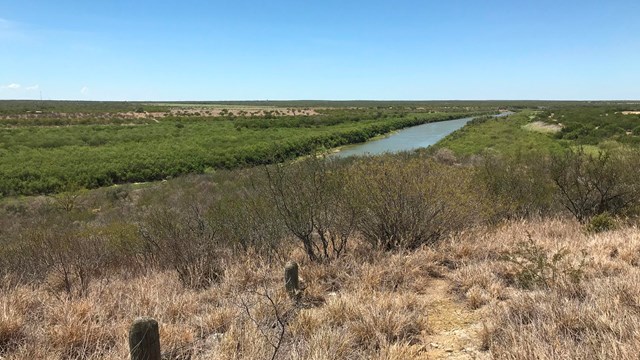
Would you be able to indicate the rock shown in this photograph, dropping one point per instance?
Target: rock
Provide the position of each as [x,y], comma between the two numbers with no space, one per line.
[462,335]
[214,338]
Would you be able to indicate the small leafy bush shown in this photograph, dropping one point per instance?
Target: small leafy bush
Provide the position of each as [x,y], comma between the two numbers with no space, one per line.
[600,223]
[536,267]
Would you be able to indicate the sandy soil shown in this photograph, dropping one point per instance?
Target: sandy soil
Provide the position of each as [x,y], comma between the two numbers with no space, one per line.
[456,328]
[542,127]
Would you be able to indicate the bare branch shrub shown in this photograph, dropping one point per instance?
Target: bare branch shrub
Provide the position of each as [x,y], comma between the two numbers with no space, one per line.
[245,218]
[311,200]
[268,314]
[517,186]
[406,203]
[183,239]
[591,184]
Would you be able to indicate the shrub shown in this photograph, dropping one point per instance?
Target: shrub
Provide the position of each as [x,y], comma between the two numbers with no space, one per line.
[600,223]
[445,156]
[180,237]
[592,184]
[517,185]
[245,216]
[535,267]
[406,203]
[312,202]
[68,256]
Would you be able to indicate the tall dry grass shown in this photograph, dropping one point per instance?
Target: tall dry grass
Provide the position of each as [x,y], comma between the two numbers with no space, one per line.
[368,304]
[590,310]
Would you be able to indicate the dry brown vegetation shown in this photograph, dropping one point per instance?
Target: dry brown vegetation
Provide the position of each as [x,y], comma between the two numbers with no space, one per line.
[214,111]
[368,304]
[363,306]
[589,310]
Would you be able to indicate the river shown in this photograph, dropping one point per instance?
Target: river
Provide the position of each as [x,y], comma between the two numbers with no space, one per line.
[411,138]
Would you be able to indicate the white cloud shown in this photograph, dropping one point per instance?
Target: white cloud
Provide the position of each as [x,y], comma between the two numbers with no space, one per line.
[84,90]
[19,91]
[12,86]
[20,88]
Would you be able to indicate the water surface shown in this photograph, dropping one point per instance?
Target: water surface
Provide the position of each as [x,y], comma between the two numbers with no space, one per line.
[411,138]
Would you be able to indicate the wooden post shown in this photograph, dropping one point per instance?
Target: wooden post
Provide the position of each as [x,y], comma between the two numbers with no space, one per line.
[144,339]
[291,279]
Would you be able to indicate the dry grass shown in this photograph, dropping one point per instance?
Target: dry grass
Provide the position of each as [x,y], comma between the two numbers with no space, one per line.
[340,316]
[366,305]
[594,315]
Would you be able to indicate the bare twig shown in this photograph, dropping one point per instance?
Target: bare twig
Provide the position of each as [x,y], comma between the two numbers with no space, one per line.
[280,321]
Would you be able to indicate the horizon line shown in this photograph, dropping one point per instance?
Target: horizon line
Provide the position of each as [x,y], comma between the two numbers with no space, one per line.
[334,100]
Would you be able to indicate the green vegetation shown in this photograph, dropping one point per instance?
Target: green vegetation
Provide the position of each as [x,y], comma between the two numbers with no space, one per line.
[50,159]
[583,168]
[392,202]
[592,126]
[503,135]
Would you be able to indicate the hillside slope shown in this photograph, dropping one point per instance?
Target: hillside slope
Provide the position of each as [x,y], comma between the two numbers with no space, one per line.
[541,289]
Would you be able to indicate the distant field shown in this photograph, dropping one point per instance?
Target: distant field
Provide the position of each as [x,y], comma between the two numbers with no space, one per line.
[48,153]
[49,147]
[214,106]
[551,128]
[25,106]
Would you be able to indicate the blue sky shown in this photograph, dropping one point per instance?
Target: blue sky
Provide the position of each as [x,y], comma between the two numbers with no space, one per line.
[246,49]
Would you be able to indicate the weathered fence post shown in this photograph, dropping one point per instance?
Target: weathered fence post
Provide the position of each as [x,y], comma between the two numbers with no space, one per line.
[144,339]
[291,279]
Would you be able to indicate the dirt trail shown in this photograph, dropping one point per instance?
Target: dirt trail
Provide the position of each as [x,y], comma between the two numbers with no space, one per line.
[456,329]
